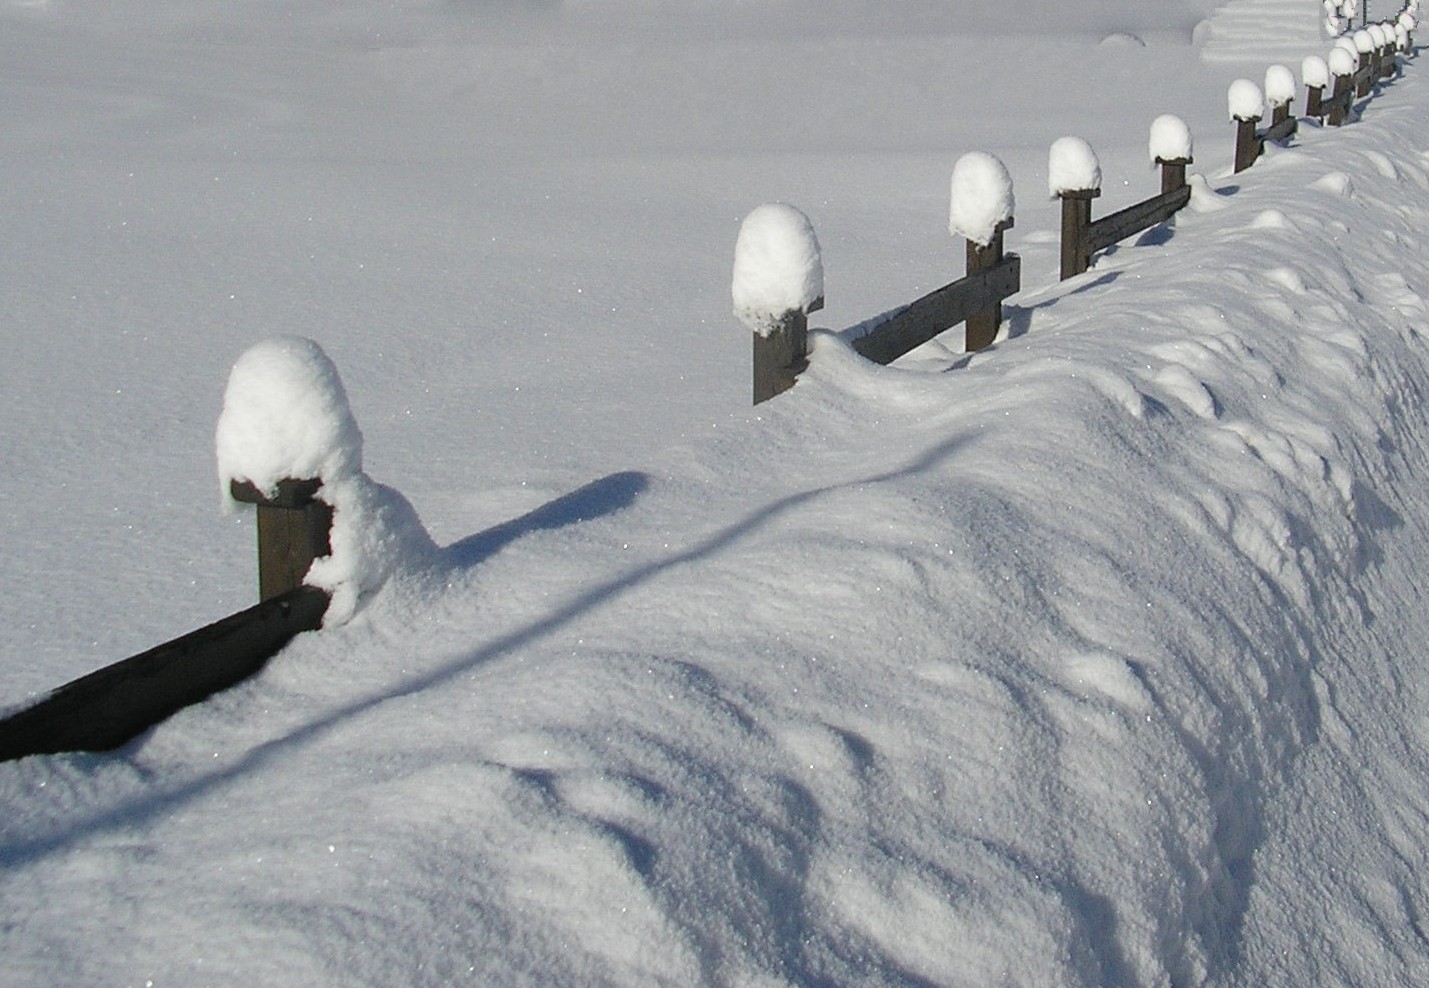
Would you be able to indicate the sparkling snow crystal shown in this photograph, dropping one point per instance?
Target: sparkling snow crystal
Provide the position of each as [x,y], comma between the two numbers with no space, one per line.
[981,197]
[777,267]
[1072,166]
[1170,139]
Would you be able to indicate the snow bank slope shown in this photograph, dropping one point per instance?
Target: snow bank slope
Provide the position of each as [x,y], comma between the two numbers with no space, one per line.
[1094,660]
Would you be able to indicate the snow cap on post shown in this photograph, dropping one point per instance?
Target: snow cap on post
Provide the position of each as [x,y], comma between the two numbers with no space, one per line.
[285,416]
[1170,139]
[1342,62]
[1345,43]
[1279,85]
[1314,72]
[1245,100]
[981,197]
[1401,37]
[1364,41]
[777,267]
[1407,21]
[1072,166]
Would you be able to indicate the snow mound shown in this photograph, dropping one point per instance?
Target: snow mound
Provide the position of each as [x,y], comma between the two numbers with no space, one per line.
[286,416]
[777,266]
[1072,166]
[1279,85]
[1315,72]
[1245,100]
[1170,139]
[981,197]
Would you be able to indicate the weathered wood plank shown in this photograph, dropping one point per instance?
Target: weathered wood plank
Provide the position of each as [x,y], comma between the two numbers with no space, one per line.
[1281,130]
[939,311]
[1130,221]
[108,707]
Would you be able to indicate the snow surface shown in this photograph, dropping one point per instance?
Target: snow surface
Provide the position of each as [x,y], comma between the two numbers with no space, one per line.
[1072,166]
[1093,658]
[777,269]
[981,197]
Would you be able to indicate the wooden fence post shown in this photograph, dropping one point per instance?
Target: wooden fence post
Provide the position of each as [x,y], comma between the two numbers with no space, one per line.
[1340,101]
[1314,97]
[981,328]
[1247,143]
[782,354]
[1173,173]
[294,528]
[1076,221]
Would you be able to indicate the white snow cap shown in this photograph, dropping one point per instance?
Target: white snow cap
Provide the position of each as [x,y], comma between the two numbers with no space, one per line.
[1072,166]
[1279,85]
[1376,31]
[1342,62]
[285,416]
[1344,43]
[1401,38]
[1314,72]
[1170,139]
[777,266]
[981,197]
[1407,21]
[1364,41]
[1245,100]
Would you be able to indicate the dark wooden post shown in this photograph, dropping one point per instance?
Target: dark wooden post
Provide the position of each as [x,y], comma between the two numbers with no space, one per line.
[1340,101]
[1173,173]
[1076,221]
[782,354]
[1314,97]
[981,328]
[1364,77]
[294,528]
[1247,143]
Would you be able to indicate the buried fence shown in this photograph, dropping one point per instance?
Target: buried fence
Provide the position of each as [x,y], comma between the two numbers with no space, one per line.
[778,283]
[106,708]
[778,274]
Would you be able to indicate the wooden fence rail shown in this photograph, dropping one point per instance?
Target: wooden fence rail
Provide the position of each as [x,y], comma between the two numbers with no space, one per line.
[1082,237]
[108,707]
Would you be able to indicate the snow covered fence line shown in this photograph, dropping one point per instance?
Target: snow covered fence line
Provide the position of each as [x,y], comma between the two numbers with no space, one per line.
[1074,176]
[778,280]
[287,442]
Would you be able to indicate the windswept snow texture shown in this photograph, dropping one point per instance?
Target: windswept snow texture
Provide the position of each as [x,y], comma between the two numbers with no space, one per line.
[1094,658]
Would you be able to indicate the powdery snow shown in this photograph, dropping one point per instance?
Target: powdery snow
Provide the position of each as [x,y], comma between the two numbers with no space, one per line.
[777,269]
[1072,166]
[981,197]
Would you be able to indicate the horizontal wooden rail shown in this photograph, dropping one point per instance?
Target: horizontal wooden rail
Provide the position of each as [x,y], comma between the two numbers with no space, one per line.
[1130,221]
[108,707]
[941,310]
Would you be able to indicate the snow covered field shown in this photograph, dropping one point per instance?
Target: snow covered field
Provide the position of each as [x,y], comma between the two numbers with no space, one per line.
[1094,659]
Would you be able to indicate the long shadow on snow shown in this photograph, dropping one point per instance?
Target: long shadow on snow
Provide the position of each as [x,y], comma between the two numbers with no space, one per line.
[596,499]
[144,809]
